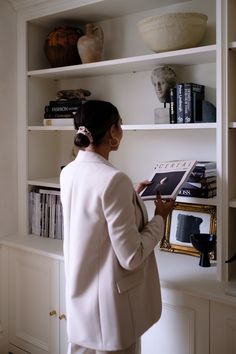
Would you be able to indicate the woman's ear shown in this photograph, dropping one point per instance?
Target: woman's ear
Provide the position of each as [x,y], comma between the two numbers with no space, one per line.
[113,131]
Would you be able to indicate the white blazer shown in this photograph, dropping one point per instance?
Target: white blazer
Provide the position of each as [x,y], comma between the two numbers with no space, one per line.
[112,283]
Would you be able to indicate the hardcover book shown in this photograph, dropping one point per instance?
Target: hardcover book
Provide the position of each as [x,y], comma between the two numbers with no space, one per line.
[180,103]
[63,103]
[61,109]
[205,165]
[59,121]
[194,94]
[168,178]
[197,193]
[173,105]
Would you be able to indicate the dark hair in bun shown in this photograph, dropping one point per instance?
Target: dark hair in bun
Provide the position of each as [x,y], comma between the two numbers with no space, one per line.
[97,117]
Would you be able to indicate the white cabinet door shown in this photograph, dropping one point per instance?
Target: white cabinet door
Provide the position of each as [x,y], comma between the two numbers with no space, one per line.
[33,302]
[62,315]
[183,327]
[223,329]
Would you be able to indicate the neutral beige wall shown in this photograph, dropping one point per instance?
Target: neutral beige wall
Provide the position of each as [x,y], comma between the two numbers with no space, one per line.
[8,133]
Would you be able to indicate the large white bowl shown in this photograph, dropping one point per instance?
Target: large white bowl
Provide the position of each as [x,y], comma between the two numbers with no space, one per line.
[173,31]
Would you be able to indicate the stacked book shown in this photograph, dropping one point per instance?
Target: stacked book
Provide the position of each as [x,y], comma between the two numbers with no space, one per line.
[201,182]
[45,213]
[186,103]
[61,112]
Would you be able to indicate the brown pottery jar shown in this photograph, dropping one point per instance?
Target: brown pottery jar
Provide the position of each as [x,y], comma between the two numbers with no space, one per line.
[61,46]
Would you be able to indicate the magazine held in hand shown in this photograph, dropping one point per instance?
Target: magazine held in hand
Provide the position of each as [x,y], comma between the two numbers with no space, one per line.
[168,178]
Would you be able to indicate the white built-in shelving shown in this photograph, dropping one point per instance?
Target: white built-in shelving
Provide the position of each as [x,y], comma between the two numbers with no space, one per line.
[123,77]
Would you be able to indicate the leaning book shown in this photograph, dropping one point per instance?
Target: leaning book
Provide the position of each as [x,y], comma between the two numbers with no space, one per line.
[168,178]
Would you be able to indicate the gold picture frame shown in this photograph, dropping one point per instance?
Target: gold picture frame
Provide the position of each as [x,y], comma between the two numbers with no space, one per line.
[184,220]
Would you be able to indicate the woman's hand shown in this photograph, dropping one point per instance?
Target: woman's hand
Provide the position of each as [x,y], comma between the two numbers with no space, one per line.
[140,187]
[163,207]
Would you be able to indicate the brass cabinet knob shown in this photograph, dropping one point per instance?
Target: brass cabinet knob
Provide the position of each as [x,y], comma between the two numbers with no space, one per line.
[53,313]
[62,317]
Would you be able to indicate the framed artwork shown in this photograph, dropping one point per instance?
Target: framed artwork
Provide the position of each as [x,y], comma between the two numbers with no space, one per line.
[187,219]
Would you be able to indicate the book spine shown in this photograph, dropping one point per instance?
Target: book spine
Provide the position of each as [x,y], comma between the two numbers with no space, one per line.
[193,96]
[203,180]
[194,185]
[173,119]
[188,103]
[64,103]
[61,109]
[59,115]
[58,122]
[180,103]
[187,192]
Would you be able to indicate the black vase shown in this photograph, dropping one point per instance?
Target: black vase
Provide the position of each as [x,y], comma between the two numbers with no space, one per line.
[204,243]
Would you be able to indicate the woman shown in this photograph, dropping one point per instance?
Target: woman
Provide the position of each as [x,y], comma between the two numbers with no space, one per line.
[112,285]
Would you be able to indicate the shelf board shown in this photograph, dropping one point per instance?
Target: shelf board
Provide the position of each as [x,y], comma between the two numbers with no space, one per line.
[232,125]
[94,11]
[190,56]
[232,203]
[48,128]
[232,45]
[169,126]
[134,127]
[50,182]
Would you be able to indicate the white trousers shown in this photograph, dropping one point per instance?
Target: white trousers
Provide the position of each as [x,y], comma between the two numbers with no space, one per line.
[76,349]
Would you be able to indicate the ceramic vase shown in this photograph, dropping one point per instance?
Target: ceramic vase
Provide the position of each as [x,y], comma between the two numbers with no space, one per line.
[90,45]
[60,46]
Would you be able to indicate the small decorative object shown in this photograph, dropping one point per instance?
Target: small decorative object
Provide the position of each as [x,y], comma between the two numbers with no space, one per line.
[61,46]
[185,220]
[77,94]
[90,45]
[204,243]
[163,79]
[208,112]
[173,31]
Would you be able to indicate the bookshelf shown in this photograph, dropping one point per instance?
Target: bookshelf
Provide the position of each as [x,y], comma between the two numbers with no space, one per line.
[43,150]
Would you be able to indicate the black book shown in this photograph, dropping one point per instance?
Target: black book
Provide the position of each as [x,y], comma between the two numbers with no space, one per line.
[59,115]
[62,108]
[68,103]
[197,193]
[202,180]
[205,165]
[180,103]
[173,119]
[194,94]
[203,174]
[199,185]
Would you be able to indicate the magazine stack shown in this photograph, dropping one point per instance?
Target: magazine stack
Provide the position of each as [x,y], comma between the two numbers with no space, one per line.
[201,182]
[45,213]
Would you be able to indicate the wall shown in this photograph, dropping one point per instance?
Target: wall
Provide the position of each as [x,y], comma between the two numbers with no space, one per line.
[8,120]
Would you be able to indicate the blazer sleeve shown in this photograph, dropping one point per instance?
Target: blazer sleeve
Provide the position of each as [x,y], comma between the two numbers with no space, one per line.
[130,245]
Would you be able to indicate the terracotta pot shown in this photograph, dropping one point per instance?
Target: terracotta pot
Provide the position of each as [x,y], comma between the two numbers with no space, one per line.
[61,46]
[90,45]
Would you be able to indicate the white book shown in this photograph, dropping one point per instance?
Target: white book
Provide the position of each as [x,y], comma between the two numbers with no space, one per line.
[58,121]
[168,178]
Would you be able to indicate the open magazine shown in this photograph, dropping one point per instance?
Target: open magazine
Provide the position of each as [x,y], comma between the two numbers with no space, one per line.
[168,178]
